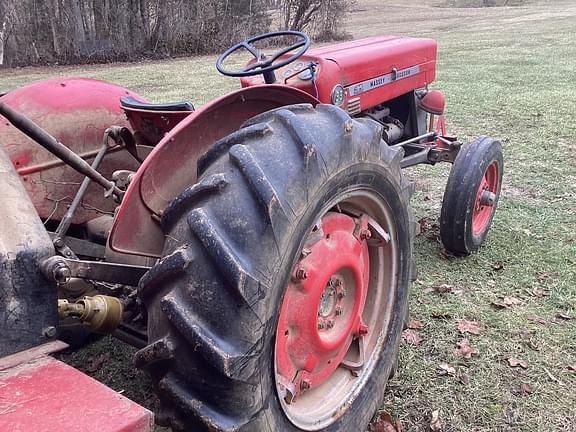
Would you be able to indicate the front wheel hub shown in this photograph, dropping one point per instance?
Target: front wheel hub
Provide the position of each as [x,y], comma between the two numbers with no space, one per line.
[321,314]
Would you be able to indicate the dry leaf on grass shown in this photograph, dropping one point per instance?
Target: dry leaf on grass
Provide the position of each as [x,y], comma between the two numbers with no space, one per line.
[384,423]
[538,292]
[511,301]
[465,326]
[412,337]
[96,362]
[572,368]
[446,369]
[543,275]
[497,266]
[444,288]
[415,324]
[435,423]
[526,388]
[465,350]
[507,302]
[564,316]
[537,319]
[514,362]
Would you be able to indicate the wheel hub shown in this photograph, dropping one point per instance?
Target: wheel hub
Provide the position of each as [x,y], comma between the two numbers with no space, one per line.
[485,199]
[321,313]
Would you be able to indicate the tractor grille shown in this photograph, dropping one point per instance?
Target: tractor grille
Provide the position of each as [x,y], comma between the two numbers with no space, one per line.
[353,106]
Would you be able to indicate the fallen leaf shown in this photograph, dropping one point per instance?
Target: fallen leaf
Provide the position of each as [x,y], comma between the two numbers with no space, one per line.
[441,315]
[412,337]
[423,222]
[511,301]
[444,288]
[435,423]
[536,318]
[538,292]
[514,362]
[526,389]
[446,369]
[465,350]
[545,275]
[500,305]
[415,324]
[572,368]
[564,316]
[464,379]
[384,423]
[465,326]
[497,266]
[96,362]
[428,290]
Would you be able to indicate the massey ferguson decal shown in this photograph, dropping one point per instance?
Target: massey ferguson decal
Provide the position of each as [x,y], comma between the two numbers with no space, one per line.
[373,83]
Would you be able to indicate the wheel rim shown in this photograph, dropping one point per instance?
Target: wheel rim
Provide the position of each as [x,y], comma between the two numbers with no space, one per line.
[334,316]
[485,199]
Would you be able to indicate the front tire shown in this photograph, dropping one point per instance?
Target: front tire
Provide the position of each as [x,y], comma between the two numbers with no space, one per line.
[271,201]
[471,196]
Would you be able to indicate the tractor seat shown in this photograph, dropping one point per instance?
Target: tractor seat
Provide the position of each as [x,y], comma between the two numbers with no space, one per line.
[133,103]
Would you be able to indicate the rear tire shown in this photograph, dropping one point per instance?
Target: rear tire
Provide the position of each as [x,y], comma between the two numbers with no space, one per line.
[232,243]
[466,213]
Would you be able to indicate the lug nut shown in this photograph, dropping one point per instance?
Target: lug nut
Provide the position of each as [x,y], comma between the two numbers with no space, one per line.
[330,324]
[338,282]
[321,325]
[338,311]
[365,234]
[342,294]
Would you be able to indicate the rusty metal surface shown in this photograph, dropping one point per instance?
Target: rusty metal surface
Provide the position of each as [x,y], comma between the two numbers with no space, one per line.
[49,396]
[171,166]
[27,299]
[75,111]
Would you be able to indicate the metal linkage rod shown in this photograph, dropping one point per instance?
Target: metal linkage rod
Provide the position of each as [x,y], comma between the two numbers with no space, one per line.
[35,132]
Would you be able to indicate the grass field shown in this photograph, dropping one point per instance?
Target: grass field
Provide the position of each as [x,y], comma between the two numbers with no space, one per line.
[509,72]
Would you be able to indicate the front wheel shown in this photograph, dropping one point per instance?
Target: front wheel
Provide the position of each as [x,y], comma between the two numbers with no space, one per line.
[283,292]
[471,196]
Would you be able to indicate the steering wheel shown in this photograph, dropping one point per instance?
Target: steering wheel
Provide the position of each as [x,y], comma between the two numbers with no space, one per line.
[265,64]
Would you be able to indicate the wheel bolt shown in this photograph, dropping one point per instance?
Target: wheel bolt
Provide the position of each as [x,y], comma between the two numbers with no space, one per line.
[330,324]
[338,282]
[365,234]
[342,294]
[338,311]
[301,274]
[321,325]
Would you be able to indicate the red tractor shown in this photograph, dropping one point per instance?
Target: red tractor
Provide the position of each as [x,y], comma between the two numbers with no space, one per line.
[258,250]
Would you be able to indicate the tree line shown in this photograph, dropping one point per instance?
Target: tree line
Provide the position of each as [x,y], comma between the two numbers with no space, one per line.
[87,31]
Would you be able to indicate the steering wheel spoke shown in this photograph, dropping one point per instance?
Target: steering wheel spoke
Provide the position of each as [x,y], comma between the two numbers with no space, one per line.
[265,65]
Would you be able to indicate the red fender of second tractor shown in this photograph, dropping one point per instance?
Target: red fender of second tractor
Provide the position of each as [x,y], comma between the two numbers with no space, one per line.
[171,166]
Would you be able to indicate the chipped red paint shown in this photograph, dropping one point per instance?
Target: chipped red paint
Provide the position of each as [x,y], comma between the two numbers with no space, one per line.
[76,111]
[171,166]
[49,396]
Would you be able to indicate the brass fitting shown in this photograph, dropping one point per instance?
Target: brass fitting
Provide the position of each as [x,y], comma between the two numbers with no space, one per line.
[102,313]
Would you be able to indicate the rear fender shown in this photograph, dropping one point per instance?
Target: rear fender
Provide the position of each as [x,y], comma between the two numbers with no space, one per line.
[171,166]
[76,111]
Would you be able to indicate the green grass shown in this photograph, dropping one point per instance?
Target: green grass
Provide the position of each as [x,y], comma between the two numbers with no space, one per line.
[507,72]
